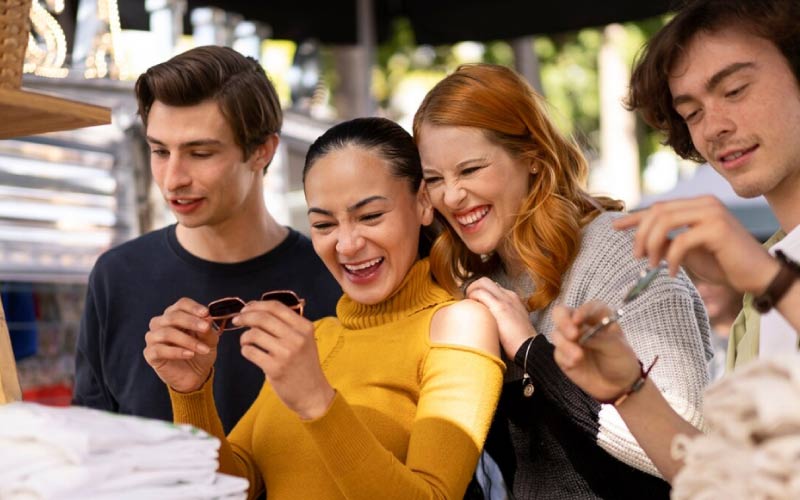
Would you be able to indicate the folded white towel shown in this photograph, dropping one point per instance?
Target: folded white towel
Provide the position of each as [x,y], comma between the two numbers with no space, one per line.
[66,453]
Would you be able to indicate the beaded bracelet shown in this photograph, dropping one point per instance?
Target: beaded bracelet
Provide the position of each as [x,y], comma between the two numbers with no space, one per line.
[635,387]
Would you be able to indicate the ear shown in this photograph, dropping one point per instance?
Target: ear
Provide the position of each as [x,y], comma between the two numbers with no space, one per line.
[424,205]
[265,152]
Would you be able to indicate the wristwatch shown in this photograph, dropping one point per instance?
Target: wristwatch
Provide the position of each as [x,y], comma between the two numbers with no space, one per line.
[780,284]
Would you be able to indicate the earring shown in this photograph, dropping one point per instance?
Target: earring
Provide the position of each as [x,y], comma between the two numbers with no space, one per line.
[535,170]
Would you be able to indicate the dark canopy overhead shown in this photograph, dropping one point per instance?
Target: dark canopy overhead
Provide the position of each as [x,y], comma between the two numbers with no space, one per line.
[433,21]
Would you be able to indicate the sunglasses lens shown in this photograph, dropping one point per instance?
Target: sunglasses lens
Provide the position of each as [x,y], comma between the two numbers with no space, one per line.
[286,298]
[225,307]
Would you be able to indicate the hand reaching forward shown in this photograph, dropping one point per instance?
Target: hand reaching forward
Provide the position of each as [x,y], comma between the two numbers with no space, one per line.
[181,345]
[282,344]
[508,310]
[605,366]
[712,243]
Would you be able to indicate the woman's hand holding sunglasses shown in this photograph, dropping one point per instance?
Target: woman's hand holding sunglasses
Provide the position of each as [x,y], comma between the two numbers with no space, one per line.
[181,345]
[281,342]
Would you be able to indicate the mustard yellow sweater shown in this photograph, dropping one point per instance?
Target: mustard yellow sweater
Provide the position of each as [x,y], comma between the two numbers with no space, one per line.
[408,420]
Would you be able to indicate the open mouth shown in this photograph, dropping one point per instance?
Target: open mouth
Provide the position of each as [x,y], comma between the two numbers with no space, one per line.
[474,216]
[731,158]
[363,270]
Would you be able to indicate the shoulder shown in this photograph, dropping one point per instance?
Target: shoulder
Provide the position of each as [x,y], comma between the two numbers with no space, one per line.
[144,247]
[468,323]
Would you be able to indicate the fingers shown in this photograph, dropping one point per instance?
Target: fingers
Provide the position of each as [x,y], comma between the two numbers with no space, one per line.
[656,224]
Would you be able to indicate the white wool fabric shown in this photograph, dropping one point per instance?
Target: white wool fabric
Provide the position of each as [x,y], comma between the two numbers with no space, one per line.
[752,449]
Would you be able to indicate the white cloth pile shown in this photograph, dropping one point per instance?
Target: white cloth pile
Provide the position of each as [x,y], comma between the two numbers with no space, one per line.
[752,449]
[71,453]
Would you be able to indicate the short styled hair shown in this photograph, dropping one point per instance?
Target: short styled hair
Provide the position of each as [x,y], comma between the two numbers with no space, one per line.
[775,20]
[239,85]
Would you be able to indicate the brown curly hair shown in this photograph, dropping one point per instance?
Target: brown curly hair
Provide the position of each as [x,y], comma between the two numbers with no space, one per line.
[546,232]
[775,20]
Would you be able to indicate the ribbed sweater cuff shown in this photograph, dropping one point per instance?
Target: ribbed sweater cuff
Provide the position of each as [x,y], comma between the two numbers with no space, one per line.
[197,408]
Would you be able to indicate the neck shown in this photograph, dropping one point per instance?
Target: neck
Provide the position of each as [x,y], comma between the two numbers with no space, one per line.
[512,264]
[784,201]
[251,233]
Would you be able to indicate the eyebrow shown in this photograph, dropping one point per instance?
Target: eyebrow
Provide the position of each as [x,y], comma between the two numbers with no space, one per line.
[351,208]
[189,144]
[715,80]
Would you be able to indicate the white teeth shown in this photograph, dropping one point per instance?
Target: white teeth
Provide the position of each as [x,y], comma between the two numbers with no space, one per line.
[473,216]
[183,202]
[363,265]
[732,156]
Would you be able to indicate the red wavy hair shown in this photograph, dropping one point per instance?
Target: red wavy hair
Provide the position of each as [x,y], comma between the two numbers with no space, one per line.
[546,233]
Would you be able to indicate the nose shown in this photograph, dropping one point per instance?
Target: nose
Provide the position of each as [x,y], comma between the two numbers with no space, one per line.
[176,175]
[349,241]
[454,195]
[717,124]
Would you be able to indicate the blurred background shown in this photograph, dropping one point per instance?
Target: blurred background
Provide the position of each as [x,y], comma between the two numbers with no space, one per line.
[66,197]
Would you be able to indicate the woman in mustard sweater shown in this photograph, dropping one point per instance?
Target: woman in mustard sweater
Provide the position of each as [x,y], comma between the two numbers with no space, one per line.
[393,397]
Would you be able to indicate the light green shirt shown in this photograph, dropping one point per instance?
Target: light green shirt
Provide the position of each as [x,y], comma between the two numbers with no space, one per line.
[745,331]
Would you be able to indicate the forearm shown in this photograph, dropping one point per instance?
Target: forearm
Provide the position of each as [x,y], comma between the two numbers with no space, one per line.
[199,409]
[654,424]
[550,381]
[458,395]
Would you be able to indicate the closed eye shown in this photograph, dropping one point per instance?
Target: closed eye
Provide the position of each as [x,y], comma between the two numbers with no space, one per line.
[737,91]
[432,180]
[372,216]
[160,153]
[472,170]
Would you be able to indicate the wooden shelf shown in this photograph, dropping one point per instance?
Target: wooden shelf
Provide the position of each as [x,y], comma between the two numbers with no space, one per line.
[30,113]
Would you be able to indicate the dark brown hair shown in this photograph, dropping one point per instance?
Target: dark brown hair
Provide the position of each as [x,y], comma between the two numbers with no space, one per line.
[546,232]
[238,84]
[775,20]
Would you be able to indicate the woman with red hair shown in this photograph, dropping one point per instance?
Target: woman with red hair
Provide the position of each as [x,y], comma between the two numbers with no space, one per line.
[522,235]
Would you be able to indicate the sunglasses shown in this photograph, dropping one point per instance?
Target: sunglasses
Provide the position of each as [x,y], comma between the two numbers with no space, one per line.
[222,310]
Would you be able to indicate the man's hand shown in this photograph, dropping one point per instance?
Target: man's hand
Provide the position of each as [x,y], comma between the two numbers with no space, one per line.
[605,366]
[710,242]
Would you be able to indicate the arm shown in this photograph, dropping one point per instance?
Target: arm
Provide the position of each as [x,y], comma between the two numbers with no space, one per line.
[460,385]
[712,243]
[90,388]
[607,367]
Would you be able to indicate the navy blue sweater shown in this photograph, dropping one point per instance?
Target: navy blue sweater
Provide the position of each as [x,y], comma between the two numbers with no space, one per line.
[132,283]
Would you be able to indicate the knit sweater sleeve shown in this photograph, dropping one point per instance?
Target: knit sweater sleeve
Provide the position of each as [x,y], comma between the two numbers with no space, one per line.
[459,390]
[235,456]
[667,320]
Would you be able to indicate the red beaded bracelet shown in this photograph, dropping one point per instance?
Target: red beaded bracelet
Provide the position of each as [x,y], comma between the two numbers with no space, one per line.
[635,387]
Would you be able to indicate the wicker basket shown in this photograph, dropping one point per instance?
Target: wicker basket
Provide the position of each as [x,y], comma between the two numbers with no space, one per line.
[14,29]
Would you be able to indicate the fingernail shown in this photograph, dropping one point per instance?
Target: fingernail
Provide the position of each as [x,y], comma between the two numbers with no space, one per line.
[202,311]
[202,325]
[187,354]
[202,348]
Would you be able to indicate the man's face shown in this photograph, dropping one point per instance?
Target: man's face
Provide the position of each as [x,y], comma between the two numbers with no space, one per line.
[199,167]
[741,103]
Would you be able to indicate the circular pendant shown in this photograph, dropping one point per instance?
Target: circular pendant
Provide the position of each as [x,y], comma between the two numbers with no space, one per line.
[527,389]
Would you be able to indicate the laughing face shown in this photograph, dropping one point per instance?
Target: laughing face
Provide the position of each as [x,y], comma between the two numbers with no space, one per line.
[365,222]
[199,167]
[741,103]
[475,184]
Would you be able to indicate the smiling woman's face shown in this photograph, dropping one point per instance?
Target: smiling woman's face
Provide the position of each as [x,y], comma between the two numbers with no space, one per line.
[475,184]
[365,222]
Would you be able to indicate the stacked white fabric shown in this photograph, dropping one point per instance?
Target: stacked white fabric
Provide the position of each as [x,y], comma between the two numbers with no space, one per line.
[71,453]
[752,449]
